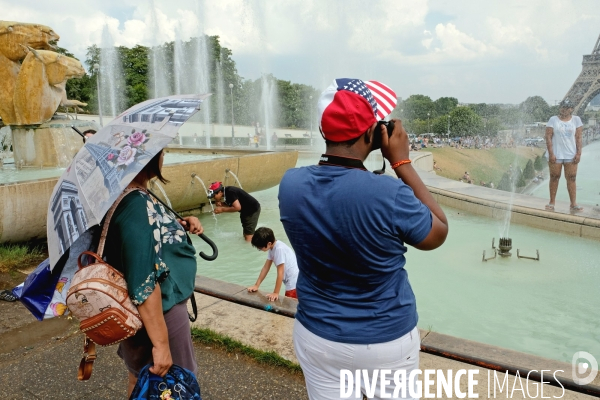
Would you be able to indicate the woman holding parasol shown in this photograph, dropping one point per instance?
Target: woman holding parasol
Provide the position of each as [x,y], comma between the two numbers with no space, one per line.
[149,246]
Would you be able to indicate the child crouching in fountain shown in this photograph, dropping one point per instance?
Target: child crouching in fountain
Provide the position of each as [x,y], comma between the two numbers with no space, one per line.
[285,261]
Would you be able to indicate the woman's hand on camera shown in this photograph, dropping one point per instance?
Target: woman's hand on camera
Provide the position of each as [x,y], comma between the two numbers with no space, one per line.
[192,225]
[396,147]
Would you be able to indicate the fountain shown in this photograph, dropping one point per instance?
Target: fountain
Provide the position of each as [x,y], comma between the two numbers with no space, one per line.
[33,79]
[44,143]
[227,172]
[504,247]
[554,307]
[194,176]
[110,76]
[154,183]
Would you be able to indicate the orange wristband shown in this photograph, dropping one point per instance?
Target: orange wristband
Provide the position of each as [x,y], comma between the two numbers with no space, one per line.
[399,163]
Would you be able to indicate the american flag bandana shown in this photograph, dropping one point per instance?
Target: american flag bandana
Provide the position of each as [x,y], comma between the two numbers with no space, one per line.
[348,107]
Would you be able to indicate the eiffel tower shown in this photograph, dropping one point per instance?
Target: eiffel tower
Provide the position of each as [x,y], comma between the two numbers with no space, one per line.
[112,175]
[587,84]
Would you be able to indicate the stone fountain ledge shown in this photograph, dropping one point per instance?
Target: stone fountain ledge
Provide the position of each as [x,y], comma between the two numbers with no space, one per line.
[272,331]
[24,203]
[492,203]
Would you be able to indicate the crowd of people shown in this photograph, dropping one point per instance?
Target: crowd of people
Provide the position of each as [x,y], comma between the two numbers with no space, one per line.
[460,142]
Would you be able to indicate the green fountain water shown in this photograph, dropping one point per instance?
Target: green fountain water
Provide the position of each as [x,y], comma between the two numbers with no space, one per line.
[547,308]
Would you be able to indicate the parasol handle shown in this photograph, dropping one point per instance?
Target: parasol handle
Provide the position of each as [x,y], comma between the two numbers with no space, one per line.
[202,236]
[78,131]
[212,245]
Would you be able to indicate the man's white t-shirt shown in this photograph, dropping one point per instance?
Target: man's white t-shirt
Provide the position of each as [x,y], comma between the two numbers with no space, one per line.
[281,253]
[563,138]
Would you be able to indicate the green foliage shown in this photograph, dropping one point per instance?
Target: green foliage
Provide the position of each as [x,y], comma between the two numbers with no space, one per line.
[445,105]
[504,183]
[135,69]
[13,256]
[417,106]
[529,172]
[519,177]
[535,109]
[465,122]
[296,108]
[539,164]
[230,345]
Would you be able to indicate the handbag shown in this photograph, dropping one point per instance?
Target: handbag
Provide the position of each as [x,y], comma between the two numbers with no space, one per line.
[179,383]
[98,297]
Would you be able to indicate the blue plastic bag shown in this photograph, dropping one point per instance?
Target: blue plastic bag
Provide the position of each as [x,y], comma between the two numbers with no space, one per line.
[178,384]
[37,290]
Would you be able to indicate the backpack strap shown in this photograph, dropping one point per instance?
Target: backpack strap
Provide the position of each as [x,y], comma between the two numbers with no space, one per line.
[87,362]
[89,348]
[109,215]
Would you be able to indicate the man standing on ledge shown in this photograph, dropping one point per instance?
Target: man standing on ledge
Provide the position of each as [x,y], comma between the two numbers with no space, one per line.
[234,199]
[349,229]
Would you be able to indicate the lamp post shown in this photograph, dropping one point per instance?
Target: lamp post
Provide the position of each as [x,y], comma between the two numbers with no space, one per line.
[311,121]
[448,134]
[232,131]
[97,70]
[428,126]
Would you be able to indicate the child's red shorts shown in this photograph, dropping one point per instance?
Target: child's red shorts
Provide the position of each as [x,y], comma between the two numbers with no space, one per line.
[291,293]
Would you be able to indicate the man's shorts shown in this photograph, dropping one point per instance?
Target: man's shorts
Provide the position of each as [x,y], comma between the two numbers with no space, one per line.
[249,222]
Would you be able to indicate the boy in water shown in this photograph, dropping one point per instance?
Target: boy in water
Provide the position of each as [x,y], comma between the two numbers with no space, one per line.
[285,261]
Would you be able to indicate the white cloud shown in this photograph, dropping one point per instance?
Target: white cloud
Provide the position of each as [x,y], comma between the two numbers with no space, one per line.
[308,41]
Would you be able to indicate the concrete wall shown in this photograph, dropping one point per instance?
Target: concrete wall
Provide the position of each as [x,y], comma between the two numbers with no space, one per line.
[24,205]
[493,203]
[52,144]
[215,130]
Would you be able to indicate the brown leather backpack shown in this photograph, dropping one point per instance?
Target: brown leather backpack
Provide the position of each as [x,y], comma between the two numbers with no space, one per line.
[98,297]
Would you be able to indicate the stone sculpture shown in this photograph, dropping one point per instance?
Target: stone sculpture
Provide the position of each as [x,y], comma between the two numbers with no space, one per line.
[40,86]
[32,84]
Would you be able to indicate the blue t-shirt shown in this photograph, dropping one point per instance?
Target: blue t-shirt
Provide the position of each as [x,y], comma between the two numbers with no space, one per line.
[348,228]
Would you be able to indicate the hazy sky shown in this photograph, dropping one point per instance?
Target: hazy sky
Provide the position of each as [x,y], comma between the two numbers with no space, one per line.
[477,51]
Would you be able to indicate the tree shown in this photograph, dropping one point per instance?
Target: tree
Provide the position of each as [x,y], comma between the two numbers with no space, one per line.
[504,183]
[519,177]
[445,105]
[539,164]
[417,106]
[529,172]
[464,122]
[293,99]
[535,109]
[135,69]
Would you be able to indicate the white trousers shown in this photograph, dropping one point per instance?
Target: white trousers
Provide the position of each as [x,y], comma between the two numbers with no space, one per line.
[322,361]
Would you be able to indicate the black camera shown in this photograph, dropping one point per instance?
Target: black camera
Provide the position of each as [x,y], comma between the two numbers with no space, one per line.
[377,133]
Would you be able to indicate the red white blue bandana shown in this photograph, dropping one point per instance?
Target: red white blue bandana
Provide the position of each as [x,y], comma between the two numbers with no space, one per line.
[348,107]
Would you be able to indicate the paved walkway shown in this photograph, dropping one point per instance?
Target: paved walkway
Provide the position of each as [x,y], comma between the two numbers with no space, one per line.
[45,367]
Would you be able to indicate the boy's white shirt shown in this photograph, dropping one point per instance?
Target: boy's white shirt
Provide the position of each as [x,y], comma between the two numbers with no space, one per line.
[281,253]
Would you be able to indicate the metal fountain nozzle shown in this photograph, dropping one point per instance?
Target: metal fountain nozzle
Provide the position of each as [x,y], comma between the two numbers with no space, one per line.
[227,170]
[193,174]
[504,247]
